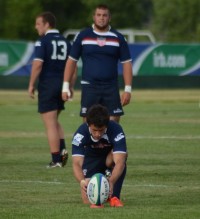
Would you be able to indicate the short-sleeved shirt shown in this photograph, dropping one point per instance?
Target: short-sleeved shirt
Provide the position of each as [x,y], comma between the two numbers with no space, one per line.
[53,50]
[113,139]
[100,54]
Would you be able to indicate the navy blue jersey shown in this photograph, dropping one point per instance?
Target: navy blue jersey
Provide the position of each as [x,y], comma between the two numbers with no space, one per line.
[100,54]
[113,139]
[53,50]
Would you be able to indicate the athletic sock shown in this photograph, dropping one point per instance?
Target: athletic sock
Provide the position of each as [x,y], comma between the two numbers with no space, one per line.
[56,157]
[118,185]
[62,144]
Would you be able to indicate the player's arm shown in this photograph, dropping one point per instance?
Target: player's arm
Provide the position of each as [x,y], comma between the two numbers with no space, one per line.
[119,160]
[77,162]
[73,81]
[35,71]
[128,77]
[69,78]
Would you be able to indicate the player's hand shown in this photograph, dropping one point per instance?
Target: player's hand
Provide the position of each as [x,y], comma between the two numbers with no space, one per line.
[83,185]
[125,98]
[72,93]
[31,91]
[66,93]
[65,96]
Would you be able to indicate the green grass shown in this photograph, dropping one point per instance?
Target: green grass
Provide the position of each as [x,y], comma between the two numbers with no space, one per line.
[163,178]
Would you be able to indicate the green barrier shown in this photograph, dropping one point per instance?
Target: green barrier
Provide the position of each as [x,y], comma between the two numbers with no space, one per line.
[168,59]
[15,57]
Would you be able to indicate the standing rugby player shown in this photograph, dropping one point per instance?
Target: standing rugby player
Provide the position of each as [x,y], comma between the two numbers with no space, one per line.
[51,53]
[100,48]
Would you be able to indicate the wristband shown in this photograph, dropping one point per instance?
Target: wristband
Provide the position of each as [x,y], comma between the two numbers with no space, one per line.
[128,89]
[65,88]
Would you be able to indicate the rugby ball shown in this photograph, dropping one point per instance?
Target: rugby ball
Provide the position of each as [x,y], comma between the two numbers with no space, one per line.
[98,189]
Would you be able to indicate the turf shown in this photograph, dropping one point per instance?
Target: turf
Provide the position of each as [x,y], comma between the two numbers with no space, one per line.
[163,178]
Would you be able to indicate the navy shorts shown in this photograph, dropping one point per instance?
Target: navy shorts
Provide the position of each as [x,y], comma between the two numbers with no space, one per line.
[92,165]
[104,94]
[50,95]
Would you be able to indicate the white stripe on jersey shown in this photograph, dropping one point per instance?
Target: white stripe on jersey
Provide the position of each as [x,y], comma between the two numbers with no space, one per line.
[76,60]
[119,152]
[129,60]
[94,42]
[39,59]
[77,155]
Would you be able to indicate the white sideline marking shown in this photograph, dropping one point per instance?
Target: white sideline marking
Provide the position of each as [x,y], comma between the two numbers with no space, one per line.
[164,186]
[29,181]
[126,185]
[41,134]
[60,183]
[162,137]
[150,185]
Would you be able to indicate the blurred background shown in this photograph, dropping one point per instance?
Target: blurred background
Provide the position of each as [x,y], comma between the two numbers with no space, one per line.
[170,49]
[169,21]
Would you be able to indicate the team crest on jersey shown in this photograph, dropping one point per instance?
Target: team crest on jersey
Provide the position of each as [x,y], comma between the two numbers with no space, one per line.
[117,110]
[84,110]
[37,43]
[77,139]
[84,172]
[101,41]
[119,136]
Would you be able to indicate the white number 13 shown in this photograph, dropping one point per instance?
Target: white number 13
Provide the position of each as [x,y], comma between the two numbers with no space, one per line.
[63,50]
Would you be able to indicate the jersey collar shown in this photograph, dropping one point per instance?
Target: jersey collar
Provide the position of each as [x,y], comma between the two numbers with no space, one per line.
[100,32]
[52,31]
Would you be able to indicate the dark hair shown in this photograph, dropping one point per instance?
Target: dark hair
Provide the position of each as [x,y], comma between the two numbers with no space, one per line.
[98,116]
[48,17]
[102,6]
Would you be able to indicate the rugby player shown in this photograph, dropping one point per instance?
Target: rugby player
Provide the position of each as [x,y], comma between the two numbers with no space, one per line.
[99,146]
[100,48]
[51,53]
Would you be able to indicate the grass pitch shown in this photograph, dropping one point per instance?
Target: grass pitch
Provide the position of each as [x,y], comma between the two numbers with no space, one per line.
[163,177]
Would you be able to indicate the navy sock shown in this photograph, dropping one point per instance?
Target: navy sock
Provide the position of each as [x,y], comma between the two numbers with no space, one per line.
[56,157]
[62,144]
[118,185]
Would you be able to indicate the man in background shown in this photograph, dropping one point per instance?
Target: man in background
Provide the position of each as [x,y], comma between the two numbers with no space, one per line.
[51,53]
[101,48]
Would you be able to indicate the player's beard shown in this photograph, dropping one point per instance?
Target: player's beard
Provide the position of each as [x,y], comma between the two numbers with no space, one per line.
[102,28]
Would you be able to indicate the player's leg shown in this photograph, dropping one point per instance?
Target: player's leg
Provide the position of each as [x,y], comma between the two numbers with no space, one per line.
[61,133]
[61,136]
[115,199]
[111,99]
[51,126]
[59,104]
[118,185]
[63,150]
[115,118]
[90,95]
[50,104]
